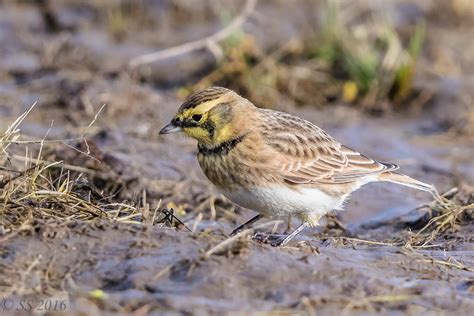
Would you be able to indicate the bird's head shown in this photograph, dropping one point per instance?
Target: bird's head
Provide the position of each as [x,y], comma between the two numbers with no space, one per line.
[212,116]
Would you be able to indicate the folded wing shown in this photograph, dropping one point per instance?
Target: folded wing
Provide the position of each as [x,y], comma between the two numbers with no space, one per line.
[309,155]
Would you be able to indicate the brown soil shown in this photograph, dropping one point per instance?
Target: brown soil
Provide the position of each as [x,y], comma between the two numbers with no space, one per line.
[368,259]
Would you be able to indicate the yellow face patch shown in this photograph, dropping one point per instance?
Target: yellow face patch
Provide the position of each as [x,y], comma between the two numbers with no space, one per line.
[201,109]
[225,133]
[198,133]
[206,123]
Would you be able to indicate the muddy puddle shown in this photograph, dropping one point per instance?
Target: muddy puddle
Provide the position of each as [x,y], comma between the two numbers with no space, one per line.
[368,259]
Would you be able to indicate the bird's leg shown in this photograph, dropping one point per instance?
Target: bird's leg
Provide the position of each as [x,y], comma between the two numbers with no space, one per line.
[298,230]
[288,224]
[246,224]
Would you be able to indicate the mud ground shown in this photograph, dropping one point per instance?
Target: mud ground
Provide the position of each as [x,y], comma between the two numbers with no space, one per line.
[361,262]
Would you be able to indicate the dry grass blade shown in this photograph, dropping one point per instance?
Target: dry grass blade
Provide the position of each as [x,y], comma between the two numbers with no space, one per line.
[13,132]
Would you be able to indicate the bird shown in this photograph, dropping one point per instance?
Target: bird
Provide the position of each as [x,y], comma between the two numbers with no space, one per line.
[275,163]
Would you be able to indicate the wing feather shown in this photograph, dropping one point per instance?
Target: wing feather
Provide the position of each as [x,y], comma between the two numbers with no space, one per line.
[307,154]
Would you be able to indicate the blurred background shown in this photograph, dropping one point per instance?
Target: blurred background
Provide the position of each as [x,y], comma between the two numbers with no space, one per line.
[392,79]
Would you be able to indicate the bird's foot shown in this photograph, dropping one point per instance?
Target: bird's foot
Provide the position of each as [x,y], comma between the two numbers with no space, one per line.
[274,240]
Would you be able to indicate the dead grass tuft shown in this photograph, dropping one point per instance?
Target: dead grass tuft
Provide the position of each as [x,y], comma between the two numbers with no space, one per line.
[36,189]
[446,214]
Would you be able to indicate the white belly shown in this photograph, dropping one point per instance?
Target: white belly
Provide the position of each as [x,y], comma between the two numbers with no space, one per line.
[281,201]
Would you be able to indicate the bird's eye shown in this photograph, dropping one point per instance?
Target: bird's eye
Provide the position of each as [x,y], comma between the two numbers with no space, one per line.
[197,117]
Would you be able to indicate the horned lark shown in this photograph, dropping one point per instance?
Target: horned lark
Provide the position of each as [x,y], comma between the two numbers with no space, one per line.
[275,163]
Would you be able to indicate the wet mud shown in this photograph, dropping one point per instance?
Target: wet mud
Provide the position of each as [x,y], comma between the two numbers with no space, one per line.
[364,260]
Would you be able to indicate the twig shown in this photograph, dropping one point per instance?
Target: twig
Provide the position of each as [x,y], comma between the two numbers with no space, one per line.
[197,220]
[163,272]
[209,42]
[229,241]
[155,212]
[364,241]
[456,265]
[170,214]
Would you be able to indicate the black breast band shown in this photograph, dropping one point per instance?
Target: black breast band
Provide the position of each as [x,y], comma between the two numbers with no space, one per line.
[222,149]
